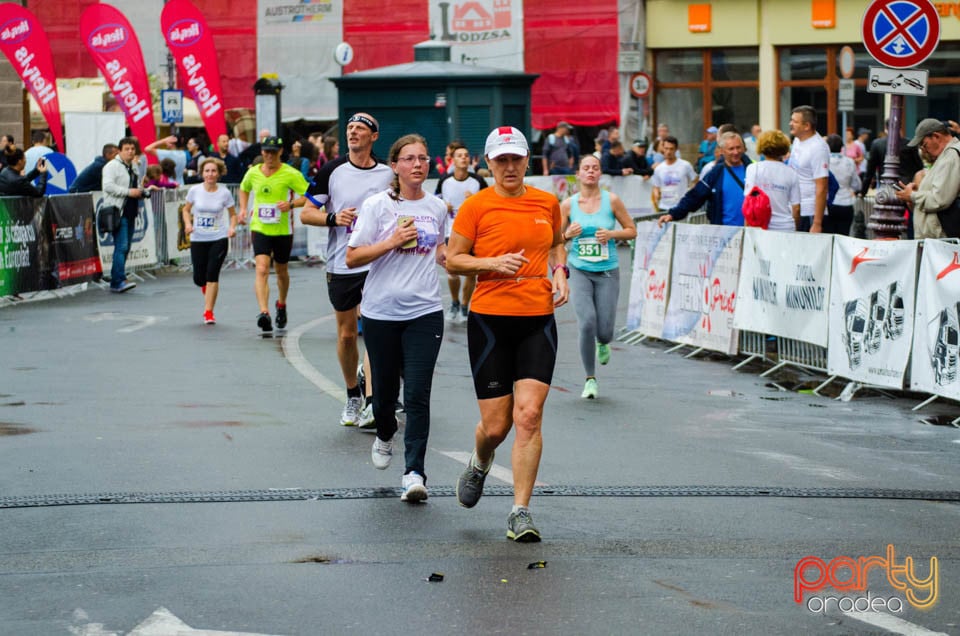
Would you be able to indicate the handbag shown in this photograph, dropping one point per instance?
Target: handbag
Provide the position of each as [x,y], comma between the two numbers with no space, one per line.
[108,219]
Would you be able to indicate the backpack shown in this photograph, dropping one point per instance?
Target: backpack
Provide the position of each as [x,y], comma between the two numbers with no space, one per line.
[756,208]
[833,186]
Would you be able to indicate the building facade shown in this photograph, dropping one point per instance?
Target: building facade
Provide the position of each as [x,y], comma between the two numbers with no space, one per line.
[752,61]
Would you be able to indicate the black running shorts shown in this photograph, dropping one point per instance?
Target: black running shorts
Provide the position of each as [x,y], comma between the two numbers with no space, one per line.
[344,290]
[276,246]
[504,349]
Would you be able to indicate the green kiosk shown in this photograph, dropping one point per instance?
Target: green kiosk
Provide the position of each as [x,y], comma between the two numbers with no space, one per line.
[436,98]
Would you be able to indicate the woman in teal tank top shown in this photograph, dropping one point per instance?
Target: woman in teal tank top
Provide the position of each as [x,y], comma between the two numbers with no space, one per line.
[590,220]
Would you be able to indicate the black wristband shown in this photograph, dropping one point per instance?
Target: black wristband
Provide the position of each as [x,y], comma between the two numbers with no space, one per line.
[331,219]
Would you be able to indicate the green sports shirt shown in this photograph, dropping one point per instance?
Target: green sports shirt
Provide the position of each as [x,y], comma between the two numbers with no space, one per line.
[268,192]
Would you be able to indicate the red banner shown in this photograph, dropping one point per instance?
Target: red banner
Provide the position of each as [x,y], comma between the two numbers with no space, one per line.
[25,44]
[114,47]
[191,44]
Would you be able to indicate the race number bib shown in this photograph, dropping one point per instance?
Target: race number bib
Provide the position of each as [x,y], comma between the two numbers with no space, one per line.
[592,250]
[268,214]
[209,222]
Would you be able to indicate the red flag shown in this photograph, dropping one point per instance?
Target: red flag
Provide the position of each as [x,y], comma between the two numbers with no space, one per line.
[191,44]
[114,47]
[25,44]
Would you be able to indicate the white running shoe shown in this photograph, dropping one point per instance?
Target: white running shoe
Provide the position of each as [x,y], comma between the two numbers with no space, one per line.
[413,488]
[351,411]
[453,314]
[367,421]
[381,453]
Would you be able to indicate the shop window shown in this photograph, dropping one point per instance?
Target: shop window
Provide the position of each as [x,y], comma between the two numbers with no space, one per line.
[699,88]
[805,63]
[734,64]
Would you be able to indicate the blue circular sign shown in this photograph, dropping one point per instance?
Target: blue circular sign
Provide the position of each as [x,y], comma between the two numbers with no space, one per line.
[900,33]
[60,173]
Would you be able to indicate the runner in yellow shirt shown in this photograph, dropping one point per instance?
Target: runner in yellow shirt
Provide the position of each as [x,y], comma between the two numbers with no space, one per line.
[275,187]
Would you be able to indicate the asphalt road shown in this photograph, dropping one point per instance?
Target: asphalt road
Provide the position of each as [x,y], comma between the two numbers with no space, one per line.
[145,459]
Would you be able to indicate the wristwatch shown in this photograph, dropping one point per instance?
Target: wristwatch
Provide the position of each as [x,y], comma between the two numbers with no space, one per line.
[566,270]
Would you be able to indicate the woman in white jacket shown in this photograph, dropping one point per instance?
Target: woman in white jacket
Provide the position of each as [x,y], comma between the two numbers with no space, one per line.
[839,214]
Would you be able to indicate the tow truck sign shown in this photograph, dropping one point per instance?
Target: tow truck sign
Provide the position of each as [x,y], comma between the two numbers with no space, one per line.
[897,81]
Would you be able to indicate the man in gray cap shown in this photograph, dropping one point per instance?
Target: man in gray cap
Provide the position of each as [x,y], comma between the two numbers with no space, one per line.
[934,212]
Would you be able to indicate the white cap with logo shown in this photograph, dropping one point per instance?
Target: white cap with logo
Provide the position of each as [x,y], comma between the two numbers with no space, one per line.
[506,140]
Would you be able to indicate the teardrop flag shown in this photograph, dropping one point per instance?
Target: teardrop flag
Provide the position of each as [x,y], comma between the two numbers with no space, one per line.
[191,44]
[25,44]
[115,49]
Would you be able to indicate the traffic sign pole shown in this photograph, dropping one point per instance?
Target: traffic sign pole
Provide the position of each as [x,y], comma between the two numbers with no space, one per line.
[899,34]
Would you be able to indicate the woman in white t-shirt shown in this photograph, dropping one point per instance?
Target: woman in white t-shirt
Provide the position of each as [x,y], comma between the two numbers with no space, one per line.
[778,180]
[399,232]
[210,219]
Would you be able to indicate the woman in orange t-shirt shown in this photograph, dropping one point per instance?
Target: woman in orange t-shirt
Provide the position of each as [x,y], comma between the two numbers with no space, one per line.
[510,237]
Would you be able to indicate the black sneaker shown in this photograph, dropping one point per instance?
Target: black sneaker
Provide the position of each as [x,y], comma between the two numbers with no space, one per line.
[281,315]
[470,484]
[263,321]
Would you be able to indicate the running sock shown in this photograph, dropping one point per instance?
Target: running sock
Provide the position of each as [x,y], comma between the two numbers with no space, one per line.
[478,464]
[281,305]
[517,509]
[354,392]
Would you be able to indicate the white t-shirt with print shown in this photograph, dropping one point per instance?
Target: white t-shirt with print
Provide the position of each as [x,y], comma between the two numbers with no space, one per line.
[403,283]
[781,185]
[810,159]
[210,217]
[673,180]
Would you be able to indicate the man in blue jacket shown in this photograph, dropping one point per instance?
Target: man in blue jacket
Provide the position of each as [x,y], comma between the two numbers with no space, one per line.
[721,189]
[89,179]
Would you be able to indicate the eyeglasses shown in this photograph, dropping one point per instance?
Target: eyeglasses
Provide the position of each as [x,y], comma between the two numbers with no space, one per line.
[414,159]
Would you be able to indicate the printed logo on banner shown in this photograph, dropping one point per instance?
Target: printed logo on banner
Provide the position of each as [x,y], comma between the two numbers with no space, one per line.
[860,258]
[873,310]
[14,31]
[952,267]
[184,32]
[140,226]
[306,11]
[473,22]
[108,37]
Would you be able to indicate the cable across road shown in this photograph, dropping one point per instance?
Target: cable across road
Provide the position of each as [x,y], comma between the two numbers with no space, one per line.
[308,494]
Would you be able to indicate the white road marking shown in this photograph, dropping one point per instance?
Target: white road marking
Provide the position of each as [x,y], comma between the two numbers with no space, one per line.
[291,350]
[501,473]
[141,321]
[892,624]
[801,464]
[161,623]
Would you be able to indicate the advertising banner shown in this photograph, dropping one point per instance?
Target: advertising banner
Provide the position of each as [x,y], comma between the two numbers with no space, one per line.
[872,294]
[73,239]
[703,287]
[22,246]
[296,40]
[143,250]
[25,43]
[785,285]
[648,283]
[480,32]
[936,332]
[114,47]
[190,42]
